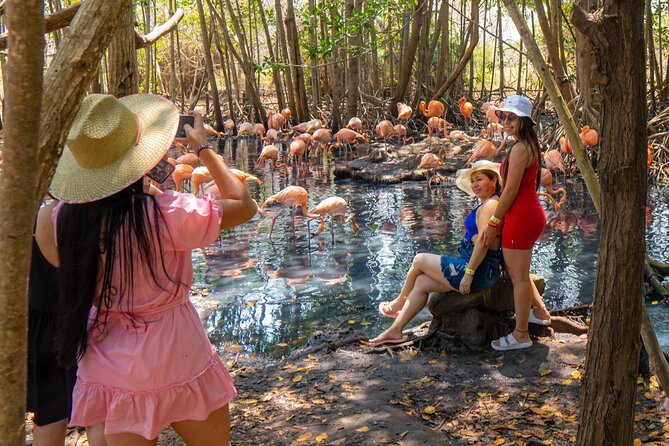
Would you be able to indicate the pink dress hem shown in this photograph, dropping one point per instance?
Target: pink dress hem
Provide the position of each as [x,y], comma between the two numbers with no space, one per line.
[190,400]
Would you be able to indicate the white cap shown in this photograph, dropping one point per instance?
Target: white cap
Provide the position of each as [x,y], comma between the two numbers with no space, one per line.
[519,105]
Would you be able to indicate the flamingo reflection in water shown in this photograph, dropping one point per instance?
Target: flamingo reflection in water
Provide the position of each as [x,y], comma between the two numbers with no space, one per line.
[291,196]
[334,207]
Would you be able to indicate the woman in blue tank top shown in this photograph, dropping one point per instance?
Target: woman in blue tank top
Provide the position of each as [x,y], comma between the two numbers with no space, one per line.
[476,268]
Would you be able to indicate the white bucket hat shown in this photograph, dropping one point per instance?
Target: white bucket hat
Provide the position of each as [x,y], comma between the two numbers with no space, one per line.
[463,176]
[519,105]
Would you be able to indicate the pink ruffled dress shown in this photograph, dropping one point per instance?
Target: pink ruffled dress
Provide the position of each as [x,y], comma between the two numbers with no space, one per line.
[153,364]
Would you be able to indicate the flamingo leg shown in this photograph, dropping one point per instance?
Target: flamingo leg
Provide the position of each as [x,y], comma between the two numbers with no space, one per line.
[332,229]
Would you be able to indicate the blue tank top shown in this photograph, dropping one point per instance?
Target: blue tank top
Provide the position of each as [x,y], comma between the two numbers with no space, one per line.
[470,223]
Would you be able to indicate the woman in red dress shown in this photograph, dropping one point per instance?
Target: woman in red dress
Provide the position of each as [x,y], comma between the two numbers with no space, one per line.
[522,217]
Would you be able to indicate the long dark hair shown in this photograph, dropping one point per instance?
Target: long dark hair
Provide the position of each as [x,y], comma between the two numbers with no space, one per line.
[528,135]
[92,237]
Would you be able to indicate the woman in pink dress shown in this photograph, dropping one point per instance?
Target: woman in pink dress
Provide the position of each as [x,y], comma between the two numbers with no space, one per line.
[144,360]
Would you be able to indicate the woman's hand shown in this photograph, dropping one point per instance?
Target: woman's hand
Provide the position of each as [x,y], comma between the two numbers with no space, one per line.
[488,236]
[466,284]
[196,136]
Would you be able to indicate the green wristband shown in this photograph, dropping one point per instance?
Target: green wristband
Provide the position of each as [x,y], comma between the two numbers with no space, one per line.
[470,271]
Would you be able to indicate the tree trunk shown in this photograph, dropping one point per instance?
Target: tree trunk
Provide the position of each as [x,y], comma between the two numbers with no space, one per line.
[313,42]
[444,18]
[589,100]
[211,75]
[65,82]
[123,75]
[408,57]
[173,66]
[353,96]
[473,30]
[296,61]
[20,175]
[500,40]
[281,32]
[554,55]
[276,73]
[243,60]
[146,12]
[652,64]
[609,386]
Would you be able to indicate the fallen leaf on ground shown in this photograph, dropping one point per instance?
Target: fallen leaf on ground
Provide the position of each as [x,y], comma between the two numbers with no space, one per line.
[322,437]
[305,436]
[362,429]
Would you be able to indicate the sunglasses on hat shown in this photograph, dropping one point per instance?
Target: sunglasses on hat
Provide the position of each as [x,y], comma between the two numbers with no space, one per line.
[510,116]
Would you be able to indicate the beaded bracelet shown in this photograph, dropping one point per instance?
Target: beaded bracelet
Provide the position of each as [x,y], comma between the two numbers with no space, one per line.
[206,145]
[470,271]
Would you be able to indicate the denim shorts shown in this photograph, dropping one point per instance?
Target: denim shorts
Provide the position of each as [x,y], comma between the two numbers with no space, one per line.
[487,273]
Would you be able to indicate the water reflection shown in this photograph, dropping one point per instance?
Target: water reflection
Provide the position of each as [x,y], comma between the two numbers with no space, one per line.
[274,293]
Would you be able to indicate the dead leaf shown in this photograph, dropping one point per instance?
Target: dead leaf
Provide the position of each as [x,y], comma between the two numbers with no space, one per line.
[297,379]
[545,372]
[429,410]
[305,436]
[362,429]
[322,437]
[575,374]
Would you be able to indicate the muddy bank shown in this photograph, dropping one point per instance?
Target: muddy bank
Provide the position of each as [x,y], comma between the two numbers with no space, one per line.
[390,164]
[354,396]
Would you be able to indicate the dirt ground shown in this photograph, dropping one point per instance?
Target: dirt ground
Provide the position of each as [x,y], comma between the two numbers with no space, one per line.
[359,396]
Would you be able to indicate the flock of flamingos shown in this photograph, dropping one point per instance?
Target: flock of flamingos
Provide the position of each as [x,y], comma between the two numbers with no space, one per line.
[311,139]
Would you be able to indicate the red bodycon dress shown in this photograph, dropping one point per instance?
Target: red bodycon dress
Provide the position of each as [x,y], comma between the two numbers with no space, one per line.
[525,220]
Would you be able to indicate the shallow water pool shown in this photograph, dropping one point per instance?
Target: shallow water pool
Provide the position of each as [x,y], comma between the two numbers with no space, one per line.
[272,294]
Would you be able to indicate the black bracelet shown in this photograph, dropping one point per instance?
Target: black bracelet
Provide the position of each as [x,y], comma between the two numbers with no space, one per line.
[201,147]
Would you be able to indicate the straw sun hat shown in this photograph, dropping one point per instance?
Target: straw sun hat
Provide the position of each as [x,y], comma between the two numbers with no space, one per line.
[463,176]
[113,143]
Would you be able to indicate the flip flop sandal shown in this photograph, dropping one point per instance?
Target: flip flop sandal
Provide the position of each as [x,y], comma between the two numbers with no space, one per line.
[401,340]
[509,342]
[385,313]
[535,320]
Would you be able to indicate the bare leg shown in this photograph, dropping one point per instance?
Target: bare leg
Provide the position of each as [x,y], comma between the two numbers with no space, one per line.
[538,305]
[96,435]
[52,434]
[517,263]
[423,286]
[127,439]
[423,263]
[214,431]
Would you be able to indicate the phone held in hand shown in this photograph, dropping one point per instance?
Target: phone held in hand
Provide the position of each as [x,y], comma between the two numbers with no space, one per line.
[161,172]
[183,120]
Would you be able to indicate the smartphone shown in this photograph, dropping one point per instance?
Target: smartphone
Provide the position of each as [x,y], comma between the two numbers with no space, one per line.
[161,172]
[183,120]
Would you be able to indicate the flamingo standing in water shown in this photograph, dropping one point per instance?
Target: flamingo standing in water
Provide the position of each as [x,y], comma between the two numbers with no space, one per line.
[349,136]
[434,124]
[334,207]
[276,121]
[297,150]
[245,129]
[589,136]
[291,196]
[484,150]
[385,130]
[354,124]
[182,172]
[286,116]
[547,181]
[429,162]
[229,126]
[322,137]
[434,109]
[271,153]
[400,131]
[466,109]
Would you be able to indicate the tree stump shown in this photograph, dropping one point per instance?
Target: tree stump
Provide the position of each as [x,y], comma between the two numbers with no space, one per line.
[476,319]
